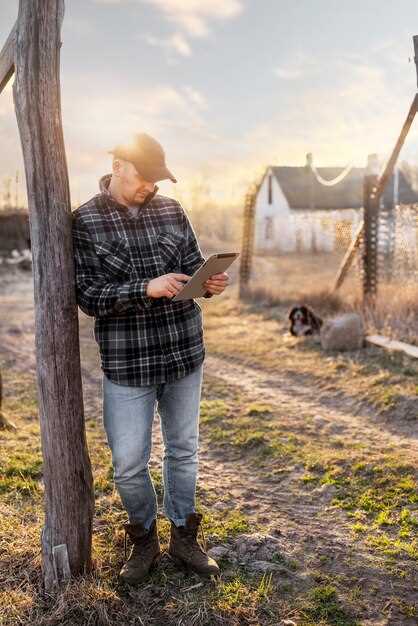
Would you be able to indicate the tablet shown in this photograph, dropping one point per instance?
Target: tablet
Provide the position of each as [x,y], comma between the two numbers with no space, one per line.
[215,264]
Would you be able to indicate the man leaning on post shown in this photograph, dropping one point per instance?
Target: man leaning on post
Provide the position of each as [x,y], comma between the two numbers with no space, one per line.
[132,250]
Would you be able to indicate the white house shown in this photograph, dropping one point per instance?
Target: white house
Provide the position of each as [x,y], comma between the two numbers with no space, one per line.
[296,213]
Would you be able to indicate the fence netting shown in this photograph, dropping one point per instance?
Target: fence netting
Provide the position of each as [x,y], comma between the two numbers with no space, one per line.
[303,265]
[397,302]
[305,269]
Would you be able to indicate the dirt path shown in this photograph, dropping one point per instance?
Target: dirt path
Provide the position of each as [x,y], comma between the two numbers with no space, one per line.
[309,528]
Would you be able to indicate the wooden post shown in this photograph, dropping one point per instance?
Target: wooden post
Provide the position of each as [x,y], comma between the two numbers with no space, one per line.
[247,245]
[309,163]
[371,214]
[381,184]
[69,502]
[7,59]
[415,38]
[349,256]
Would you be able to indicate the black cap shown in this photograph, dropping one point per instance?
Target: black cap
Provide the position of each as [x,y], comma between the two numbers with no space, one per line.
[148,157]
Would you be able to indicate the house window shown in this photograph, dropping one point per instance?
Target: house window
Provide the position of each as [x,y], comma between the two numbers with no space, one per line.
[268,231]
[270,190]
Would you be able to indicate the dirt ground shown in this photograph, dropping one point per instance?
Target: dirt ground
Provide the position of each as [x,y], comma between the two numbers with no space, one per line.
[314,450]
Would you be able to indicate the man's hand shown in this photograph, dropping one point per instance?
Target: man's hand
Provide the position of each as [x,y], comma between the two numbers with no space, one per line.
[166,285]
[217,283]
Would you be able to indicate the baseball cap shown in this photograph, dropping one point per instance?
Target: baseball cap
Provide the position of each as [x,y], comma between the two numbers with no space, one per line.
[147,155]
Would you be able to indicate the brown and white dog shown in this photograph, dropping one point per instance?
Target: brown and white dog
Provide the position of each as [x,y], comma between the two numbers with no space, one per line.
[303,321]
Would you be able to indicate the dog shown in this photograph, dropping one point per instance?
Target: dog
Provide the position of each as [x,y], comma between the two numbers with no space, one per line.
[344,332]
[303,321]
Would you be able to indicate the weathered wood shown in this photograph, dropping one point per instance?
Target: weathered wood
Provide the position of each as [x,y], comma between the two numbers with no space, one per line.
[388,171]
[382,182]
[61,564]
[391,344]
[349,256]
[66,468]
[7,59]
[247,244]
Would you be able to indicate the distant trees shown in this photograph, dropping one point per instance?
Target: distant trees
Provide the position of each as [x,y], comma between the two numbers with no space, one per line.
[211,219]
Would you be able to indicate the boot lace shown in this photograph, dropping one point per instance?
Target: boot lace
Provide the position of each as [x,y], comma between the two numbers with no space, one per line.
[137,544]
[191,532]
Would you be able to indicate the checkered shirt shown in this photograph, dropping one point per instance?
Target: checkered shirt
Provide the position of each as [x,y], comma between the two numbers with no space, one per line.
[142,340]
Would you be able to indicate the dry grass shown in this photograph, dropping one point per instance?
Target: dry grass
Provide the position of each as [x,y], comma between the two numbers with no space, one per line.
[254,335]
[294,279]
[396,313]
[167,597]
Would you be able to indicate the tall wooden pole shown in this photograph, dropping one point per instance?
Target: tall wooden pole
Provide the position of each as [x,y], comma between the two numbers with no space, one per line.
[7,59]
[415,40]
[247,244]
[66,536]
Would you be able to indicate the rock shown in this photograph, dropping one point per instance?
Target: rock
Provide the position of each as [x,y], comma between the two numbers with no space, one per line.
[345,332]
[327,489]
[218,552]
[266,566]
[319,421]
[220,506]
[256,547]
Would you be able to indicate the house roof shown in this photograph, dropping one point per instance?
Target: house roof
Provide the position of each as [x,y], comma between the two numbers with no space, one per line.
[348,194]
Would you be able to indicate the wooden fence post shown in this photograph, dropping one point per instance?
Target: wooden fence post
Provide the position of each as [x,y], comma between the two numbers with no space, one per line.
[247,241]
[371,215]
[387,173]
[415,40]
[69,501]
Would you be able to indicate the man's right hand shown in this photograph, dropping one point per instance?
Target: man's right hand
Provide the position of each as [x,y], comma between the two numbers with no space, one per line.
[166,285]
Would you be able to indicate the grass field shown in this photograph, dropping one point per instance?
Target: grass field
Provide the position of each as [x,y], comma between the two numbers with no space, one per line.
[320,448]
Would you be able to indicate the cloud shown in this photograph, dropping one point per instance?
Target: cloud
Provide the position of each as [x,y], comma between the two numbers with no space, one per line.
[288,73]
[176,42]
[99,122]
[196,97]
[194,16]
[298,66]
[193,19]
[339,120]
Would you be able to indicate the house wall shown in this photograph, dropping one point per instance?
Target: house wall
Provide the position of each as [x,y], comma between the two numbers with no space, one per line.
[280,229]
[274,227]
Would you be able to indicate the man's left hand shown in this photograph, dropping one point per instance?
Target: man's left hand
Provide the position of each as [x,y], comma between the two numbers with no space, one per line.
[217,283]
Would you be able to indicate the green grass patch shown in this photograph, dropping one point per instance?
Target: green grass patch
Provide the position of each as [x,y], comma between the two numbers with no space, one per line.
[323,607]
[242,595]
[221,527]
[20,474]
[213,410]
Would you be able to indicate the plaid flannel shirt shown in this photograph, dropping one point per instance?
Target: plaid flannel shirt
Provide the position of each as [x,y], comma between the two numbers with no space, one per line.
[142,340]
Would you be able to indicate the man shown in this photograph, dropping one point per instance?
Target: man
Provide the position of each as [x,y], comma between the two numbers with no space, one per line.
[133,250]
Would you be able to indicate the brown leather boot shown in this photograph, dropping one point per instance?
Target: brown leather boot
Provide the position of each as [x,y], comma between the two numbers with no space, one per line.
[186,552]
[145,553]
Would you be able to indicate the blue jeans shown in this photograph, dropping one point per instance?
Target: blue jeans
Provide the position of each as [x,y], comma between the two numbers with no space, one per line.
[128,414]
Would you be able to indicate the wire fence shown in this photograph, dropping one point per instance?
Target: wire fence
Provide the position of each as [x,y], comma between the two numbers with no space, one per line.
[300,260]
[396,311]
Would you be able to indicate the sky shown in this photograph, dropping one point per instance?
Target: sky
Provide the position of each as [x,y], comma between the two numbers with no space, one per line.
[227,86]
